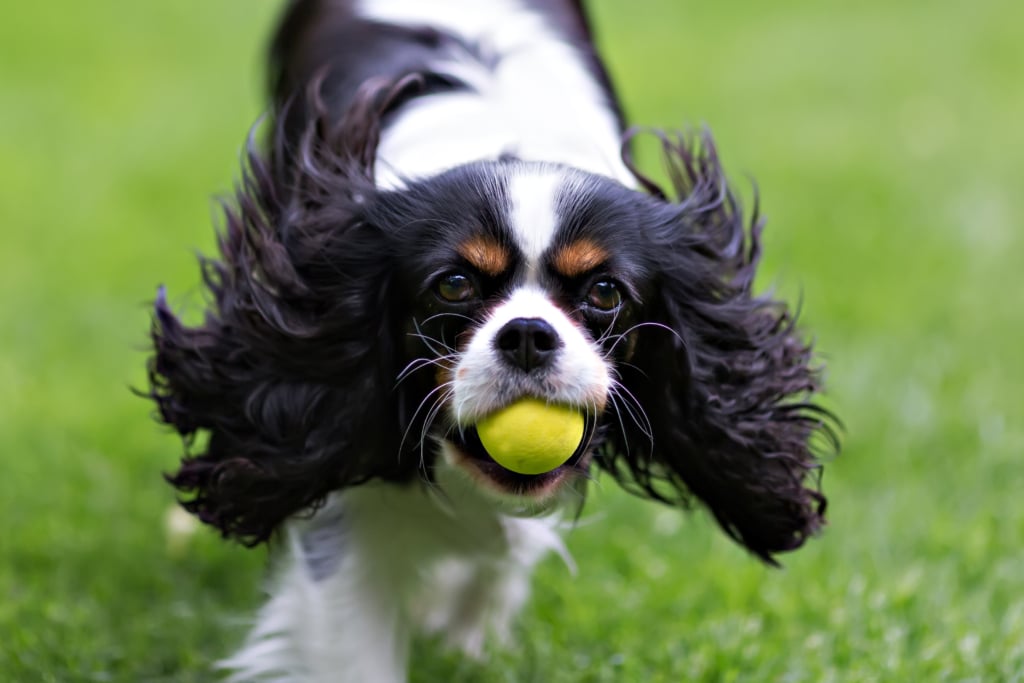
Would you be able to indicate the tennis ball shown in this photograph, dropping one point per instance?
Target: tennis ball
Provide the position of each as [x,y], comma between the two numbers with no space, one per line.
[531,436]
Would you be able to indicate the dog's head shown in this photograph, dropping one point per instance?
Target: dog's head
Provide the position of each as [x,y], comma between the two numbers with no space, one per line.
[357,333]
[515,281]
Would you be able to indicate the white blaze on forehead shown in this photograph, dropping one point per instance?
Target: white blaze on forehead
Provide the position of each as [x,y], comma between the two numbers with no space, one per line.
[533,217]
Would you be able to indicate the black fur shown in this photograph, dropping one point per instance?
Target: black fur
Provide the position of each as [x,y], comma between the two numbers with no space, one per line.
[318,291]
[728,382]
[285,373]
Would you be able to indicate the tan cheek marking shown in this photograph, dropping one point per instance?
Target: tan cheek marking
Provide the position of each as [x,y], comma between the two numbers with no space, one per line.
[485,254]
[579,257]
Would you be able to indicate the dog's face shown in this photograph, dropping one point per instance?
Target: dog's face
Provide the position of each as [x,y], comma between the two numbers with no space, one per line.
[523,280]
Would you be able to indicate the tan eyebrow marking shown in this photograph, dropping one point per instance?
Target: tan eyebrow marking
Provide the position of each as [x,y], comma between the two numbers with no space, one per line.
[579,257]
[485,254]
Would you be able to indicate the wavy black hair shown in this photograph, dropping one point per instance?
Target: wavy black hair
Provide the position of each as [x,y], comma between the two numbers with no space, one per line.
[727,380]
[291,375]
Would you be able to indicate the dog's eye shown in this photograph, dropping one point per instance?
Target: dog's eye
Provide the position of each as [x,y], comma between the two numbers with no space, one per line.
[455,287]
[604,295]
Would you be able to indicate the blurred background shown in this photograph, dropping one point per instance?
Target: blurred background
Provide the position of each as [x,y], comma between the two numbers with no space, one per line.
[887,143]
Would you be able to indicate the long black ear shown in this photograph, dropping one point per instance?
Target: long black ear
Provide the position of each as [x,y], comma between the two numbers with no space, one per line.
[283,392]
[724,376]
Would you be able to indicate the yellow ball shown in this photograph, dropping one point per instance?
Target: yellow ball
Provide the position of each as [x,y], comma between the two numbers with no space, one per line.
[531,436]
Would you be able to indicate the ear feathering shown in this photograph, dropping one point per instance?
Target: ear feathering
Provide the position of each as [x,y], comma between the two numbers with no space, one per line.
[728,382]
[290,371]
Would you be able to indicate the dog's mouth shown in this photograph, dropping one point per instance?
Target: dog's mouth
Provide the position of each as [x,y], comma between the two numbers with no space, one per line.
[473,455]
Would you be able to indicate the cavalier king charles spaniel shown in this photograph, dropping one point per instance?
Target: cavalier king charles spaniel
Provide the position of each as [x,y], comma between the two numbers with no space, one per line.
[443,220]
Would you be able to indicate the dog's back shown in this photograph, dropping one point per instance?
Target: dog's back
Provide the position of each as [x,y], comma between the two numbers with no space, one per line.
[487,79]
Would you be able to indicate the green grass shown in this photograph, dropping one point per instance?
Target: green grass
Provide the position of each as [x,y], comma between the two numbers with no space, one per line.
[887,143]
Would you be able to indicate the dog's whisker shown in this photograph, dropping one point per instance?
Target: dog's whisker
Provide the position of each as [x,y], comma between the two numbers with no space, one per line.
[447,314]
[436,346]
[620,390]
[413,366]
[657,325]
[430,341]
[412,420]
[609,332]
[622,424]
[445,362]
[428,422]
[619,337]
[624,398]
[425,435]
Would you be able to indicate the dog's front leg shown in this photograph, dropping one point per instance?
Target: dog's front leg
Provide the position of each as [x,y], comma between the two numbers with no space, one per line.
[334,616]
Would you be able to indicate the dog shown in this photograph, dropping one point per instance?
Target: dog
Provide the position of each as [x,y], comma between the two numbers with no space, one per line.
[444,219]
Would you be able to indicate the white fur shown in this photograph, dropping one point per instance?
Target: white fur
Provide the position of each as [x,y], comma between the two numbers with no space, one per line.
[443,561]
[538,102]
[534,218]
[578,376]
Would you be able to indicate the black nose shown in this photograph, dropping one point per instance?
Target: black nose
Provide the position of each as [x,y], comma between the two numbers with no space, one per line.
[527,343]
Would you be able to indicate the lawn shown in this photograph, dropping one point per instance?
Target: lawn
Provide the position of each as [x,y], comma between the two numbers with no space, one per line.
[887,142]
